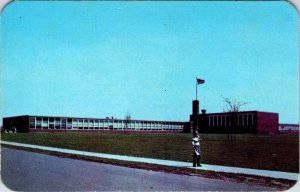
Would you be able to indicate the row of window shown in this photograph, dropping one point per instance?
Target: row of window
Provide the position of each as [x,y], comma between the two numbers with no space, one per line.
[289,128]
[101,124]
[227,120]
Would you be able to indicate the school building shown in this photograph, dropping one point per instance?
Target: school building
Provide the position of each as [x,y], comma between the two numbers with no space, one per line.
[288,128]
[28,123]
[234,122]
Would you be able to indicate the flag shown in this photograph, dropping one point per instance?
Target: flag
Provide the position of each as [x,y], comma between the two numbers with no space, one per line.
[200,81]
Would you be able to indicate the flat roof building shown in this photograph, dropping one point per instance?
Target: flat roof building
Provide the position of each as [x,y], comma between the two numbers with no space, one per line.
[288,128]
[234,122]
[31,123]
[237,122]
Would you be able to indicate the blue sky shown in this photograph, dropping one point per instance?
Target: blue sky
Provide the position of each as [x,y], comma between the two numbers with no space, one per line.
[103,59]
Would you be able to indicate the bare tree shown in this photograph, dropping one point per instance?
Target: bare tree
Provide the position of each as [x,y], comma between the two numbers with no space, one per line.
[232,107]
[127,120]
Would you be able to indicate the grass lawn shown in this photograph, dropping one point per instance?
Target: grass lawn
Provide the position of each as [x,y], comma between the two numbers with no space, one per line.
[273,152]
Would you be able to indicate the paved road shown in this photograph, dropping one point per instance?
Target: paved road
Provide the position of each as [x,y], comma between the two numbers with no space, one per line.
[28,171]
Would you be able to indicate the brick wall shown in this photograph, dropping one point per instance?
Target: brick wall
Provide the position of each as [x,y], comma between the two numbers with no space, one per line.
[267,122]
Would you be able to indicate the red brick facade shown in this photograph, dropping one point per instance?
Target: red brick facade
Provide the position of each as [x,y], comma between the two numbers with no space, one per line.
[267,122]
[238,122]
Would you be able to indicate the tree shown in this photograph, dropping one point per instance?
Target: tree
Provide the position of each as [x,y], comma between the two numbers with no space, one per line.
[232,107]
[127,120]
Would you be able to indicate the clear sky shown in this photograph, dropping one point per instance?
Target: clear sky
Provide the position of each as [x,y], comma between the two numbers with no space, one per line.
[103,59]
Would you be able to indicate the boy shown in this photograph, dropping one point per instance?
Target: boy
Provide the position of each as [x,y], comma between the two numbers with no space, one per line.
[196,149]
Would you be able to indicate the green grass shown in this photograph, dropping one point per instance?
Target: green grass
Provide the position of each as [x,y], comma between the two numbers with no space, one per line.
[273,152]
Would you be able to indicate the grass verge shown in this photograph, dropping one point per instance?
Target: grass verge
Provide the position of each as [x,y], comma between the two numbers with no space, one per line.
[278,152]
[277,184]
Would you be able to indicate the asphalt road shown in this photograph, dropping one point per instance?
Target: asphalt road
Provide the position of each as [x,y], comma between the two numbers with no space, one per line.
[28,171]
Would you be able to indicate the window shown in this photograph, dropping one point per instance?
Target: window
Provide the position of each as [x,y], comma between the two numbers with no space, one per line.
[91,124]
[32,122]
[219,120]
[227,120]
[45,122]
[240,123]
[250,119]
[57,123]
[69,123]
[51,123]
[215,120]
[223,121]
[245,119]
[38,122]
[96,124]
[75,123]
[80,123]
[63,123]
[209,121]
[85,124]
[105,124]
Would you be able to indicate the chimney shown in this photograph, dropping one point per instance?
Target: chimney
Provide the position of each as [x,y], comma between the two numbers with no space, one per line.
[195,107]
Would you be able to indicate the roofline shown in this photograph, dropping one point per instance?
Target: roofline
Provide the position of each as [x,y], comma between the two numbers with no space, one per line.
[293,124]
[239,112]
[92,118]
[17,116]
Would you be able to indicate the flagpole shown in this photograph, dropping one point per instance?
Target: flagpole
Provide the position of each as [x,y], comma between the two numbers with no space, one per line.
[195,114]
[196,89]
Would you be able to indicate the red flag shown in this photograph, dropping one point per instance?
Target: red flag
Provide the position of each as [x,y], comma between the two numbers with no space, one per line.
[200,81]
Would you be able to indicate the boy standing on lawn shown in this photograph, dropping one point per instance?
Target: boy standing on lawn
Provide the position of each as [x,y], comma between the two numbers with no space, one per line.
[196,149]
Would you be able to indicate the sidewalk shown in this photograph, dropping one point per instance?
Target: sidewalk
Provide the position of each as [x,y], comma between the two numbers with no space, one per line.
[217,168]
